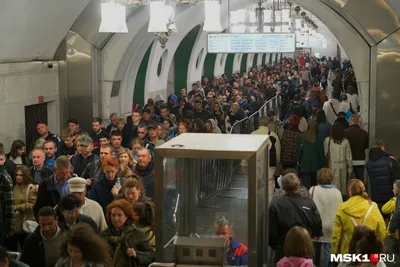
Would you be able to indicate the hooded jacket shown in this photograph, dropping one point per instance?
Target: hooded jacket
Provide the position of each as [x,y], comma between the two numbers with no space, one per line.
[295,262]
[382,171]
[343,227]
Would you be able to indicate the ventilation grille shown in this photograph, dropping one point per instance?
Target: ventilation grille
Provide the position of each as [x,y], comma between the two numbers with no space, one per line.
[115,88]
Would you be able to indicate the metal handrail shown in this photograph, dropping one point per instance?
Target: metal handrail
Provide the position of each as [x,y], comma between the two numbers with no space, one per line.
[255,113]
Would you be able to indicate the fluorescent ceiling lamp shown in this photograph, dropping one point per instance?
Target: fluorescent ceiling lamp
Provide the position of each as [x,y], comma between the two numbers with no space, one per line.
[160,15]
[238,16]
[278,16]
[252,16]
[298,23]
[286,15]
[267,16]
[278,29]
[212,14]
[113,18]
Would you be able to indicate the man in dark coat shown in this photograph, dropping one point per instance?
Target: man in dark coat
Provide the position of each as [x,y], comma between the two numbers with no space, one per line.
[383,170]
[41,246]
[291,210]
[56,186]
[145,169]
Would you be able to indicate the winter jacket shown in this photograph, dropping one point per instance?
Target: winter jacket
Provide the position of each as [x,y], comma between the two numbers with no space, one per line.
[389,208]
[24,199]
[79,162]
[45,172]
[324,129]
[237,254]
[382,171]
[7,208]
[358,139]
[129,237]
[33,253]
[93,171]
[147,175]
[81,219]
[295,262]
[101,191]
[47,195]
[343,228]
[311,157]
[288,211]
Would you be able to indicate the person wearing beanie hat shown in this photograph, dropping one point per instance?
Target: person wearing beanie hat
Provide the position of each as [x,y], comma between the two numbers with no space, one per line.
[77,187]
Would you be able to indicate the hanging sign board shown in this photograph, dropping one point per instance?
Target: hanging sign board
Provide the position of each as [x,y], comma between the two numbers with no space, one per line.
[251,43]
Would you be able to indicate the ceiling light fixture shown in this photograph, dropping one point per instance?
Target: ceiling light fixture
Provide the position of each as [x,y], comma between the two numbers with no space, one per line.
[113,18]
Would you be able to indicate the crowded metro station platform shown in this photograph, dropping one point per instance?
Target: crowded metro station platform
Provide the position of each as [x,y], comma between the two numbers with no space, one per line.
[159,141]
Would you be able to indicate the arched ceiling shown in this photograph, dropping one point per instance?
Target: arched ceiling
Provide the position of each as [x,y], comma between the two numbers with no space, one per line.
[32,30]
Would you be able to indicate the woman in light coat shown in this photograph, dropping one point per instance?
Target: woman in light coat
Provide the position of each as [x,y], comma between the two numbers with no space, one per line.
[358,210]
[339,158]
[327,198]
[24,200]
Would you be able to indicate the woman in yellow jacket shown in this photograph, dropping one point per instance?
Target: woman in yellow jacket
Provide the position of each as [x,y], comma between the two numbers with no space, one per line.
[358,210]
[390,206]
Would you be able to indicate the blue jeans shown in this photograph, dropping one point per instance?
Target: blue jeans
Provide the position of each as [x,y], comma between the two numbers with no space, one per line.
[358,172]
[326,254]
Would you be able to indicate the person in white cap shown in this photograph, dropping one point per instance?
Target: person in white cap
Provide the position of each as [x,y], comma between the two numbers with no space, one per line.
[77,187]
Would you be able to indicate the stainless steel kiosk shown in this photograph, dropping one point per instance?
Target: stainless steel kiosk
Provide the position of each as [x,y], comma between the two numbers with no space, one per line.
[191,173]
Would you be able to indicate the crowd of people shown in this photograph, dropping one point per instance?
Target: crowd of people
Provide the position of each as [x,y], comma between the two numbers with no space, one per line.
[87,198]
[325,176]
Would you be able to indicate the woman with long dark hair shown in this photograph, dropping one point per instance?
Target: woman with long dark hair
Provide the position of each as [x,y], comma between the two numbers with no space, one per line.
[83,247]
[17,153]
[145,220]
[310,154]
[24,200]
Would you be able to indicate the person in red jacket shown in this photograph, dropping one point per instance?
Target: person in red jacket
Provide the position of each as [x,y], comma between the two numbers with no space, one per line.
[237,254]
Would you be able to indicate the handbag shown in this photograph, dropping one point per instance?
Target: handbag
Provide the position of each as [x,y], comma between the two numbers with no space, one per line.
[328,154]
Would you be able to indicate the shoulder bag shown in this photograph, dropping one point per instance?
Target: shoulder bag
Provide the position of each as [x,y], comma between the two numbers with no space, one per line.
[328,154]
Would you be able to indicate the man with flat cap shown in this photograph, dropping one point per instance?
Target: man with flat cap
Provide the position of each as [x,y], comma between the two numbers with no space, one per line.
[81,160]
[77,187]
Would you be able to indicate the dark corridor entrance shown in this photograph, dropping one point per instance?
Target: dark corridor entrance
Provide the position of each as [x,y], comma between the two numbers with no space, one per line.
[33,114]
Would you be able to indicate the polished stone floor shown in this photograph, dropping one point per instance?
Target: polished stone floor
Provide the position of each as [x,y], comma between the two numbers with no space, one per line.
[232,203]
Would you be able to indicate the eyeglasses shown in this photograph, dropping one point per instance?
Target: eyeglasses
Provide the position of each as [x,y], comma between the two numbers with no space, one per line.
[141,132]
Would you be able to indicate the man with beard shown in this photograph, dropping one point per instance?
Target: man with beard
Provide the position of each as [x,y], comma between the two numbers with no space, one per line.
[41,246]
